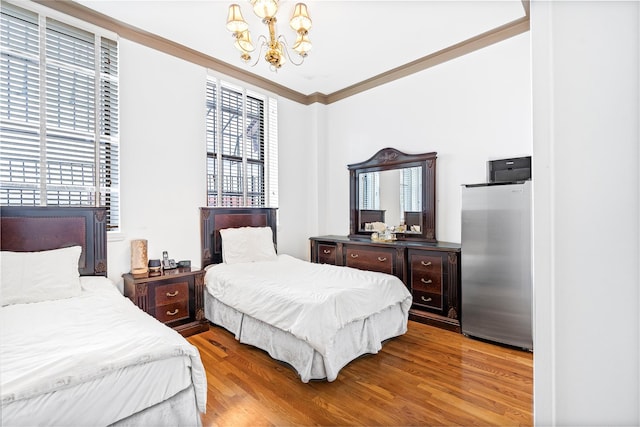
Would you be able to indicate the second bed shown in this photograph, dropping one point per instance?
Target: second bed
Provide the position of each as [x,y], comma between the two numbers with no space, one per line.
[316,318]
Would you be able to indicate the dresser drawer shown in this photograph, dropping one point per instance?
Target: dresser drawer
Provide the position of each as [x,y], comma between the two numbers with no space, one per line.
[370,258]
[426,299]
[426,273]
[171,292]
[326,254]
[171,312]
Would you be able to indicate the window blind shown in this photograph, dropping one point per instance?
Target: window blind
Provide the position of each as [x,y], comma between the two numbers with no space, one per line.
[59,114]
[242,164]
[369,189]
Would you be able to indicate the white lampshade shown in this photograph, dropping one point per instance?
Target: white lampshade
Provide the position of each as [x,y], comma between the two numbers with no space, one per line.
[235,20]
[243,42]
[300,19]
[265,8]
[302,45]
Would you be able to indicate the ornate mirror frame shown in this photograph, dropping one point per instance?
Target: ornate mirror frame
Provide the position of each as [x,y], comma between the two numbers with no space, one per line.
[388,159]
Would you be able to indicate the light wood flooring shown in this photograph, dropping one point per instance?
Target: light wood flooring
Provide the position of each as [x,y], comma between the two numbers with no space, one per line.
[427,377]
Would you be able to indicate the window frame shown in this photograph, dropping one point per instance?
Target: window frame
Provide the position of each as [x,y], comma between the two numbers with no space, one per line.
[267,162]
[100,138]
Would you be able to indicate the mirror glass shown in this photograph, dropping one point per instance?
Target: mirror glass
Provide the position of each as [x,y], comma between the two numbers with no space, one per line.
[392,197]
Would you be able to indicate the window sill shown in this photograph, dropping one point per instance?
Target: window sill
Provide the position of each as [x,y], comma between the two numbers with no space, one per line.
[115,236]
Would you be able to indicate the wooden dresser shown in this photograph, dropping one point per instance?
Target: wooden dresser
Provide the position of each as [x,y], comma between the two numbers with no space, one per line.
[176,298]
[431,271]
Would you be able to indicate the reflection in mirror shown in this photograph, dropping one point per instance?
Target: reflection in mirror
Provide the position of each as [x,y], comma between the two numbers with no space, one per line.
[393,189]
[393,197]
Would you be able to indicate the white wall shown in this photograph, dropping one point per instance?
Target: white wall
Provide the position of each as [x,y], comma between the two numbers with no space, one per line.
[586,120]
[163,161]
[163,155]
[469,110]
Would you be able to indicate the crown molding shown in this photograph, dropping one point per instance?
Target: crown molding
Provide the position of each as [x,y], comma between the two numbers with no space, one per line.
[178,50]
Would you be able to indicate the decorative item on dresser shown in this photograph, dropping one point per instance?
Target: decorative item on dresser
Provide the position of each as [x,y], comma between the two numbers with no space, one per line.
[404,187]
[174,297]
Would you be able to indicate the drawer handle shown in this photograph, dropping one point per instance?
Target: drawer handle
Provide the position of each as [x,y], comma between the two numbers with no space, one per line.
[426,264]
[172,313]
[326,251]
[425,299]
[172,294]
[426,282]
[354,255]
[382,259]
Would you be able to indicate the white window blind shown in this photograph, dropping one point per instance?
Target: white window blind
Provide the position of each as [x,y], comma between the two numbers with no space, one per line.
[369,190]
[59,114]
[242,147]
[411,189]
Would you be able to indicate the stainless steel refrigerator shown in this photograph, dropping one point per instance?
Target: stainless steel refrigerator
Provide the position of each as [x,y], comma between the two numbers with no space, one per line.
[497,294]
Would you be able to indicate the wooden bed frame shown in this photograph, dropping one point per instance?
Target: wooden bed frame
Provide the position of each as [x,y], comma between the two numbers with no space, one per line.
[212,220]
[39,228]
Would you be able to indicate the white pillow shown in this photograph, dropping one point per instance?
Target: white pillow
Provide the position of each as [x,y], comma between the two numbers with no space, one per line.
[247,244]
[39,276]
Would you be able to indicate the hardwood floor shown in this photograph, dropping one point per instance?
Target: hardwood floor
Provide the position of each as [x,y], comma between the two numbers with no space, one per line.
[428,376]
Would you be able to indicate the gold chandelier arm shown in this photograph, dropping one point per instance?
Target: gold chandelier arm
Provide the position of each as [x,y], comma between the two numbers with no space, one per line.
[262,41]
[286,52]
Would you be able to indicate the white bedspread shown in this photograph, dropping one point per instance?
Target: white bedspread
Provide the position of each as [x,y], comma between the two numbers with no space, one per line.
[55,345]
[311,301]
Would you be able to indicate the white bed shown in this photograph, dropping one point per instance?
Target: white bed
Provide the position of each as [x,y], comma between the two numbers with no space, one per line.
[73,350]
[95,359]
[315,317]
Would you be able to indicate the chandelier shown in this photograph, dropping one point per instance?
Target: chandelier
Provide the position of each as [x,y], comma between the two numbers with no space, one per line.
[277,50]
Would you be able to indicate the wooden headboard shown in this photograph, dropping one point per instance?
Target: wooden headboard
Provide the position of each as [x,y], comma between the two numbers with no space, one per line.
[38,228]
[212,220]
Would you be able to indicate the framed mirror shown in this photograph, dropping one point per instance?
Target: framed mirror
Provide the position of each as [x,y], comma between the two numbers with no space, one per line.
[394,190]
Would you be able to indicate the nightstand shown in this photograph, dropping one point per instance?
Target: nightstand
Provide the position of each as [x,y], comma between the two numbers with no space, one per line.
[175,297]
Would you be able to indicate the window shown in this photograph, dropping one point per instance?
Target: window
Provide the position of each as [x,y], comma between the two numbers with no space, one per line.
[59,114]
[242,150]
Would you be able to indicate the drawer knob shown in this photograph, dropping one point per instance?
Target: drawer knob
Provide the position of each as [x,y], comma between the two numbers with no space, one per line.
[172,313]
[425,299]
[382,259]
[354,255]
[426,264]
[326,251]
[426,282]
[172,294]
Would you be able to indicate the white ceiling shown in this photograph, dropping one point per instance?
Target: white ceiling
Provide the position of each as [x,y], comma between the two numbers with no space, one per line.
[352,40]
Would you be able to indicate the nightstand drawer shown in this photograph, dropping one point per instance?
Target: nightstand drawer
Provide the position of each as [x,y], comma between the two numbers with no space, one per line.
[175,297]
[171,312]
[172,292]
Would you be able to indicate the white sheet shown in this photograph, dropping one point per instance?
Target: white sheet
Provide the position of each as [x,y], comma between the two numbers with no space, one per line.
[311,301]
[355,339]
[75,343]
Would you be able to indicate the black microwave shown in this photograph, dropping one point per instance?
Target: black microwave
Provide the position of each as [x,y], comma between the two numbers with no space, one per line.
[509,170]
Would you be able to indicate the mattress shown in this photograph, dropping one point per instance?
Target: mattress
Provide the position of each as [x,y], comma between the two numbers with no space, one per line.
[315,317]
[95,359]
